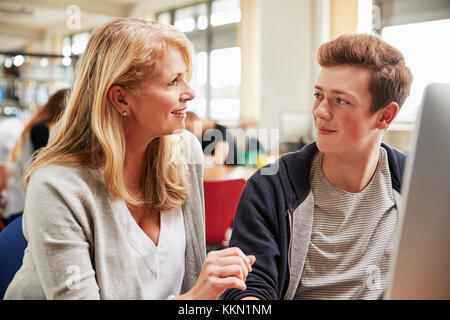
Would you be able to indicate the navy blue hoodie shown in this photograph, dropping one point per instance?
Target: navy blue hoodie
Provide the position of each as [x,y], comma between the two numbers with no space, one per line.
[270,208]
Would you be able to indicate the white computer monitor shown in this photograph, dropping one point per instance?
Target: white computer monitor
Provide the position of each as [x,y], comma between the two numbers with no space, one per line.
[420,268]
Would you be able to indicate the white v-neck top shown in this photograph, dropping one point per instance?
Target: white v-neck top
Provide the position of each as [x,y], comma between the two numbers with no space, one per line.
[160,268]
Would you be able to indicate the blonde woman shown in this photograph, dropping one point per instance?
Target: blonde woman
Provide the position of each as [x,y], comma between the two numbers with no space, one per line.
[114,206]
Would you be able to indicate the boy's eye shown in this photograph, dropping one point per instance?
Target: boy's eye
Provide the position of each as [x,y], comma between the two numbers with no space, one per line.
[340,101]
[317,95]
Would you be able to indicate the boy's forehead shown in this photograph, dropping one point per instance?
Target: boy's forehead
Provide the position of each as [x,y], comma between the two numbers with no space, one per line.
[344,78]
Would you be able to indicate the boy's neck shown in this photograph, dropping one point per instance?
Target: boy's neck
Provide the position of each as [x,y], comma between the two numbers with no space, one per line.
[351,172]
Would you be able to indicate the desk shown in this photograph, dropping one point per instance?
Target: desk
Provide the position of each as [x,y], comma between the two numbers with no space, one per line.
[226,172]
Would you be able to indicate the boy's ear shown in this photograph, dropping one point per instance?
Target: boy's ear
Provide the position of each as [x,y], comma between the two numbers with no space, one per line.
[386,115]
[118,98]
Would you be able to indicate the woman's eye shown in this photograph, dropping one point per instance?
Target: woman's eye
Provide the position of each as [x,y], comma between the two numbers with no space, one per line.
[174,82]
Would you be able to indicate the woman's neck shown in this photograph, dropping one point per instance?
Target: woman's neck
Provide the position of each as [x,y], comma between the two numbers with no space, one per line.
[134,165]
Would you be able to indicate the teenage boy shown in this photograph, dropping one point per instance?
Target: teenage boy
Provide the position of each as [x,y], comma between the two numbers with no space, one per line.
[323,226]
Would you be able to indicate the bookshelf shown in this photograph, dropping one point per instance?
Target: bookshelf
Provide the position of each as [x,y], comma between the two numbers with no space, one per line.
[25,86]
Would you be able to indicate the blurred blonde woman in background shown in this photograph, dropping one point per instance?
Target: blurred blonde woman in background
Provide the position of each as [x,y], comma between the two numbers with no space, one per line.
[109,214]
[34,136]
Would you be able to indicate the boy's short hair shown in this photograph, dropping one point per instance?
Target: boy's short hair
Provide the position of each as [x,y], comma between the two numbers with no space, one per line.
[390,77]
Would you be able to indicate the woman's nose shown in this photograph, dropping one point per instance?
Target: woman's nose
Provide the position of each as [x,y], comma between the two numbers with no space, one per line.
[188,95]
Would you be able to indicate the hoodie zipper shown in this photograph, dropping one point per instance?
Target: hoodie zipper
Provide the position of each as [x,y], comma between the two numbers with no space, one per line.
[289,250]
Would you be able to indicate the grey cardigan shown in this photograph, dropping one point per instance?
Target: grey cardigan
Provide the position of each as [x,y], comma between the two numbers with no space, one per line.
[77,246]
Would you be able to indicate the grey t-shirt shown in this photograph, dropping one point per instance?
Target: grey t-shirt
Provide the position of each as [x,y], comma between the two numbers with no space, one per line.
[352,237]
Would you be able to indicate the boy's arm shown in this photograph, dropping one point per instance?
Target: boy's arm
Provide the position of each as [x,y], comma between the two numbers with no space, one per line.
[254,232]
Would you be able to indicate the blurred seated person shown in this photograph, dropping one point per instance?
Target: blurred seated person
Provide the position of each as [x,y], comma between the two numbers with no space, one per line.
[10,130]
[218,143]
[3,176]
[33,137]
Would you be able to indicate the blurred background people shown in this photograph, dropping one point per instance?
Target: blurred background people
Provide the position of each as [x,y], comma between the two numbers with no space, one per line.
[34,136]
[10,130]
[218,143]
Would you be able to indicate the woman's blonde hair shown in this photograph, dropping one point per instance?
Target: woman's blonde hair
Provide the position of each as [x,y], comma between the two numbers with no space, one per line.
[124,52]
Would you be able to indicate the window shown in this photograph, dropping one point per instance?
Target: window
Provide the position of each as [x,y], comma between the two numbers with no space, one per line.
[212,27]
[225,11]
[426,49]
[419,29]
[225,79]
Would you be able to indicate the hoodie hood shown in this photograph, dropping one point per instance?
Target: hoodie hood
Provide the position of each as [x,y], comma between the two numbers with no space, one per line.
[294,169]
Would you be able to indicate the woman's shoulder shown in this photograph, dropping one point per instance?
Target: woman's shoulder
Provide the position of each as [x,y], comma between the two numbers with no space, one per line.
[188,137]
[61,177]
[54,170]
[191,148]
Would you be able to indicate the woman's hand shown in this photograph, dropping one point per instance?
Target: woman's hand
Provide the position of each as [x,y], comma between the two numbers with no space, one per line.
[222,269]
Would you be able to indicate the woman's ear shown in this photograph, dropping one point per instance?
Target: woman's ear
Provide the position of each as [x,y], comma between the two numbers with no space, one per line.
[387,114]
[119,99]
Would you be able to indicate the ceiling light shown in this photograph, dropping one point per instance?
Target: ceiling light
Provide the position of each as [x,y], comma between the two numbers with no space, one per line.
[18,60]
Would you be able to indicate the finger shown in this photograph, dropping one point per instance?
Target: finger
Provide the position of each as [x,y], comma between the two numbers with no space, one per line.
[215,270]
[235,251]
[230,282]
[252,259]
[233,260]
[216,256]
[231,270]
[213,265]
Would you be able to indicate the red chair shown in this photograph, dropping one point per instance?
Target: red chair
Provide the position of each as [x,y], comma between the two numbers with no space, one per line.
[221,199]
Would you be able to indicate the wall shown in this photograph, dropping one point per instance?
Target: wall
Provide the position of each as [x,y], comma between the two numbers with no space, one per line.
[343,17]
[286,51]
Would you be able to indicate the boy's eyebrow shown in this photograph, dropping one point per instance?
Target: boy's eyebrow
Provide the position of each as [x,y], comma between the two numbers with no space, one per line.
[337,91]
